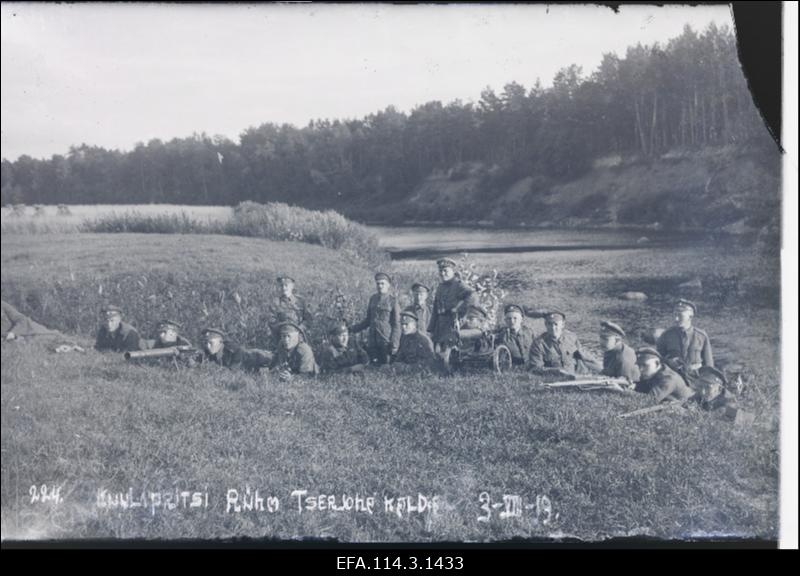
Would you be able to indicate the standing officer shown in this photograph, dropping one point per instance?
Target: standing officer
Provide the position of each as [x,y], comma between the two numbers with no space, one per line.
[450,303]
[420,306]
[114,334]
[684,347]
[619,359]
[287,307]
[383,322]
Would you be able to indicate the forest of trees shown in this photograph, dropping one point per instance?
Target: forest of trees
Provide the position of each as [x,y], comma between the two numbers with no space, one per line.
[687,94]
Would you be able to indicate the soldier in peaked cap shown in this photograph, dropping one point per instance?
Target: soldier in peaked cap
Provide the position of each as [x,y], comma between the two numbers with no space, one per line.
[450,302]
[416,348]
[619,359]
[168,335]
[287,307]
[558,350]
[342,354]
[684,347]
[294,355]
[713,396]
[419,294]
[515,334]
[382,322]
[114,334]
[219,349]
[658,380]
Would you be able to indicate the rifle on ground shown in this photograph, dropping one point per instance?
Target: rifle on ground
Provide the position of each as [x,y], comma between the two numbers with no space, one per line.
[597,383]
[169,352]
[656,408]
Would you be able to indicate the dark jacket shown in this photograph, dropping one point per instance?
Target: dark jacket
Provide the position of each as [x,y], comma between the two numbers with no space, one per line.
[449,303]
[621,363]
[124,339]
[665,384]
[285,309]
[416,348]
[235,356]
[335,358]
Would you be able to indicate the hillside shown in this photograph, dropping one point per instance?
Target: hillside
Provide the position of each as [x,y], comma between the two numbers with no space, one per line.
[717,189]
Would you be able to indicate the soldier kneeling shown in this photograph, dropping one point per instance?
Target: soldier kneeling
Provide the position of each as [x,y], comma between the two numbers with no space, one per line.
[416,348]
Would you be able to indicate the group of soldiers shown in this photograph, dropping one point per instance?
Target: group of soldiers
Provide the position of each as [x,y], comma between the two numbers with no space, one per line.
[422,337]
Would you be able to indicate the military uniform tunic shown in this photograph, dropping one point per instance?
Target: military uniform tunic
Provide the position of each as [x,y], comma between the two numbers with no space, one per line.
[237,357]
[293,309]
[416,348]
[298,360]
[181,341]
[682,349]
[546,352]
[336,358]
[665,384]
[383,322]
[518,343]
[423,314]
[124,339]
[621,363]
[449,303]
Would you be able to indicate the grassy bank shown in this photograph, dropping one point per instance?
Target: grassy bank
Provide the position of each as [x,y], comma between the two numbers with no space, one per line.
[88,422]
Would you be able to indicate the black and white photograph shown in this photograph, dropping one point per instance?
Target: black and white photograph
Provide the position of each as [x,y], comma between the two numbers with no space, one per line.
[397,274]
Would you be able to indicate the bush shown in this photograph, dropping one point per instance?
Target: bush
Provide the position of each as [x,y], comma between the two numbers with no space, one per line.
[273,221]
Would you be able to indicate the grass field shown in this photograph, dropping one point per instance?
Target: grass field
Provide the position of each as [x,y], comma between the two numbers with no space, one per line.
[88,422]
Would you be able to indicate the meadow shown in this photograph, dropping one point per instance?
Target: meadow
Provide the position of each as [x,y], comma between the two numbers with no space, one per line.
[90,422]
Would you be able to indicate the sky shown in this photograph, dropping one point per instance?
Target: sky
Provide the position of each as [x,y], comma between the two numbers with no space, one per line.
[113,75]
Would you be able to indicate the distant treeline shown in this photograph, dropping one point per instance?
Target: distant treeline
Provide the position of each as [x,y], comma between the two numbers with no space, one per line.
[687,94]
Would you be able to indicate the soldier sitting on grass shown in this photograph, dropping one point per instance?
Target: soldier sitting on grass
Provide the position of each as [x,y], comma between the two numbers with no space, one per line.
[558,352]
[619,359]
[420,307]
[218,349]
[115,335]
[515,335]
[416,348]
[684,347]
[342,354]
[293,357]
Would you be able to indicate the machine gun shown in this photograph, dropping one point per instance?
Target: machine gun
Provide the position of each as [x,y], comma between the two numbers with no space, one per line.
[168,352]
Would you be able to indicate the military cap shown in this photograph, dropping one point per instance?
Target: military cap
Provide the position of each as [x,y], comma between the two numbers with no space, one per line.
[445,262]
[711,374]
[382,276]
[288,326]
[338,328]
[417,286]
[166,323]
[606,326]
[410,313]
[111,309]
[477,310]
[513,308]
[281,279]
[215,332]
[647,351]
[553,312]
[683,303]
